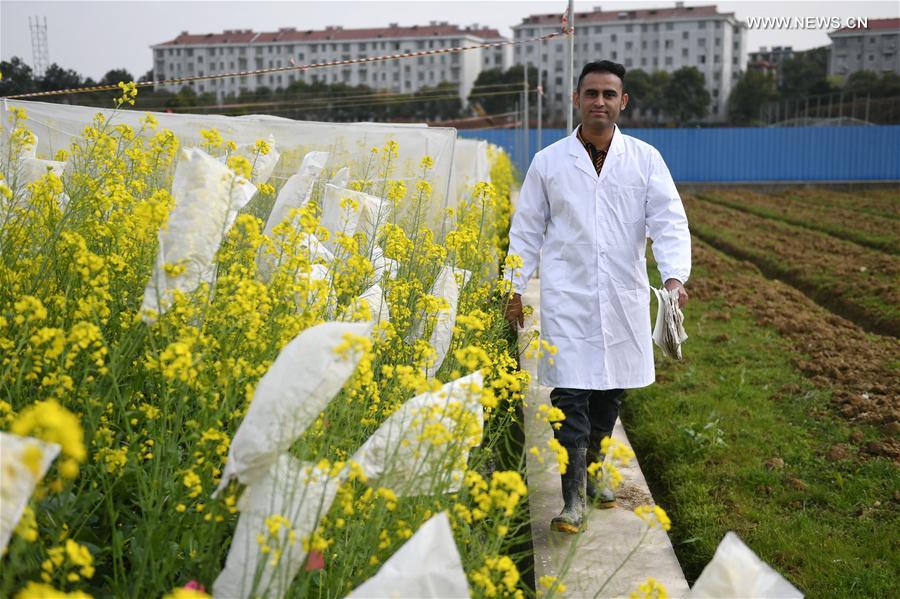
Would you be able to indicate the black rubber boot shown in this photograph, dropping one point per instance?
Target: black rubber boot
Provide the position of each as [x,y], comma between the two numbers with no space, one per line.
[599,495]
[571,519]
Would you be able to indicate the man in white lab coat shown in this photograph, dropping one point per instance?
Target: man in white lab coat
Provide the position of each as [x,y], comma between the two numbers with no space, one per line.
[587,205]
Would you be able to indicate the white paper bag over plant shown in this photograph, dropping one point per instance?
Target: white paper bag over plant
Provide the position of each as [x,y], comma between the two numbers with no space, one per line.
[446,288]
[203,190]
[736,572]
[305,376]
[23,462]
[296,190]
[383,266]
[422,448]
[462,275]
[347,211]
[32,169]
[427,566]
[306,244]
[263,164]
[294,496]
[377,306]
[341,178]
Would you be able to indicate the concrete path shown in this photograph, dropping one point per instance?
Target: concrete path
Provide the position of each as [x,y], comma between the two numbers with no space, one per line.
[611,533]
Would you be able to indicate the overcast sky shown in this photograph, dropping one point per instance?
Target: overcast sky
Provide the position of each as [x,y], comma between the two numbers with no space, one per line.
[95,37]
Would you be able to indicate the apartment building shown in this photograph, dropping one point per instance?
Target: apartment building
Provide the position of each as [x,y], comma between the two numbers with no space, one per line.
[661,39]
[873,48]
[244,50]
[770,60]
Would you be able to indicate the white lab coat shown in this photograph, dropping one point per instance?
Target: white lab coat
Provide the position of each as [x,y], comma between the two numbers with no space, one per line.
[589,234]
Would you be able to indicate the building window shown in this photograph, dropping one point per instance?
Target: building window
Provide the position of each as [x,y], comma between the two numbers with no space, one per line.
[628,28]
[612,38]
[615,55]
[684,52]
[598,47]
[668,44]
[701,41]
[670,26]
[644,27]
[643,62]
[701,25]
[702,58]
[643,44]
[684,35]
[627,62]
[668,61]
[598,29]
[628,45]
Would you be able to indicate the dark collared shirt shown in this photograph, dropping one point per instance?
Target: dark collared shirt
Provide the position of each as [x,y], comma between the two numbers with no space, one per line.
[598,157]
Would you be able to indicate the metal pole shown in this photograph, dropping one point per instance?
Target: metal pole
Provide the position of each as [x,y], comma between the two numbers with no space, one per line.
[868,97]
[540,98]
[525,124]
[516,135]
[570,64]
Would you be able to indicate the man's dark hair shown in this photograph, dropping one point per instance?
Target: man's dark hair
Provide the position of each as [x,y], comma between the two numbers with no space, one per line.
[602,66]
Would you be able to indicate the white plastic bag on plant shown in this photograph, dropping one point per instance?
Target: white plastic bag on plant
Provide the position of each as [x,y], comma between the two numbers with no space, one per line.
[296,190]
[305,376]
[264,163]
[383,266]
[463,276]
[203,190]
[374,299]
[427,566]
[315,294]
[735,571]
[23,462]
[341,178]
[444,287]
[359,212]
[309,245]
[401,454]
[298,492]
[32,169]
[241,195]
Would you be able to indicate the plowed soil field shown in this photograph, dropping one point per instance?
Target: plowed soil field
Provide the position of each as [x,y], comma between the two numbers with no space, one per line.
[844,221]
[851,280]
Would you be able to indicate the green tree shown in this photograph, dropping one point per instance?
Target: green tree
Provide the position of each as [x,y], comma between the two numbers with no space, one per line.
[863,83]
[18,78]
[752,91]
[114,76]
[639,87]
[685,97]
[56,77]
[496,91]
[805,74]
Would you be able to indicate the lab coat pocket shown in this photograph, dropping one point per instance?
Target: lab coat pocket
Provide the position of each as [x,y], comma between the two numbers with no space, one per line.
[628,202]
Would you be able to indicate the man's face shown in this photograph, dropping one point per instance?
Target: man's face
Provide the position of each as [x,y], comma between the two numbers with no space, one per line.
[599,100]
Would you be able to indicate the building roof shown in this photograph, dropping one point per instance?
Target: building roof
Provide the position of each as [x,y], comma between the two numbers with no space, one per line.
[291,34]
[872,24]
[643,14]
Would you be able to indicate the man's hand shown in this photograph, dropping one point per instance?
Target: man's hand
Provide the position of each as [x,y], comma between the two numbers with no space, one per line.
[682,294]
[514,313]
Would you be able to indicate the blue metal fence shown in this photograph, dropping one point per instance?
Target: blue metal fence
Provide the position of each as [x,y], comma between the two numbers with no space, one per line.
[750,154]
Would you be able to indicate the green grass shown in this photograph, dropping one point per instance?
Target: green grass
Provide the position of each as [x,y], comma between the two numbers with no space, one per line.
[834,534]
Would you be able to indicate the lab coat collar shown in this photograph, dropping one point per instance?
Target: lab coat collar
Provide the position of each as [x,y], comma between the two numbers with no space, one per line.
[583,161]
